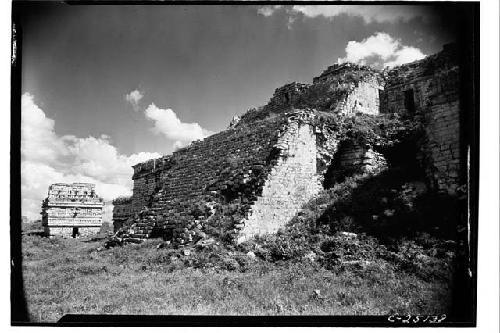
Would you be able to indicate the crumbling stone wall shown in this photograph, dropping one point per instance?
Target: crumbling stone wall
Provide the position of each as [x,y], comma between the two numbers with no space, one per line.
[290,184]
[353,158]
[250,179]
[361,158]
[146,179]
[343,89]
[428,90]
[364,98]
[221,175]
[286,96]
[441,149]
[253,177]
[122,211]
[356,88]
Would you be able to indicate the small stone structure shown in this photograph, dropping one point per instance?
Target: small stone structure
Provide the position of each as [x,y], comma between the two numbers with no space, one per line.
[253,177]
[72,210]
[122,211]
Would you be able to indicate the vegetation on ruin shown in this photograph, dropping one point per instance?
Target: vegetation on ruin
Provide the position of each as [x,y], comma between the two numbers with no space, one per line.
[239,181]
[380,131]
[122,200]
[366,245]
[384,131]
[389,218]
[334,258]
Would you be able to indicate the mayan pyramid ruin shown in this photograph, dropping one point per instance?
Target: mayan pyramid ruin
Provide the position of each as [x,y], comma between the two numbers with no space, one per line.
[255,176]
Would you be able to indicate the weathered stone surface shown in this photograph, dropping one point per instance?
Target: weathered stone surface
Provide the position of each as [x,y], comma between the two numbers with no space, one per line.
[72,210]
[255,176]
[122,211]
[291,183]
[219,176]
[429,90]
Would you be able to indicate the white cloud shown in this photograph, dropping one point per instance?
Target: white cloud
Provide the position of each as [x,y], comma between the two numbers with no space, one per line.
[271,9]
[405,55]
[380,50]
[291,19]
[369,13]
[38,139]
[133,98]
[167,123]
[268,10]
[99,159]
[47,158]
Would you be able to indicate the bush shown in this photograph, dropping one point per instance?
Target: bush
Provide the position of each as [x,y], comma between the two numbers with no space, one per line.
[284,245]
[413,258]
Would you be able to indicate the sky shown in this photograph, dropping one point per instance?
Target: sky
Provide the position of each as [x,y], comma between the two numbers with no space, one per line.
[106,87]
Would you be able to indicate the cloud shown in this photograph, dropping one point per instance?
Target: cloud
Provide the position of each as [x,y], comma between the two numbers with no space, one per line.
[38,139]
[167,123]
[97,158]
[47,158]
[133,98]
[268,10]
[369,13]
[405,55]
[380,50]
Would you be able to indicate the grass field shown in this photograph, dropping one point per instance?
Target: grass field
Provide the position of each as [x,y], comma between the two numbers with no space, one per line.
[63,276]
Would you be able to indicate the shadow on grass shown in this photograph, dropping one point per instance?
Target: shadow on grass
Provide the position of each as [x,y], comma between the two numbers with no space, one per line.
[39,233]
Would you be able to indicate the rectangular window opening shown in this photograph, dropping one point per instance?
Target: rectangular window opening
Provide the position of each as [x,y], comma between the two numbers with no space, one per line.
[409,101]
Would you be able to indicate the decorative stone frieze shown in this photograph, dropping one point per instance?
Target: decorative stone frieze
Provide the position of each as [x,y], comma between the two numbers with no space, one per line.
[72,210]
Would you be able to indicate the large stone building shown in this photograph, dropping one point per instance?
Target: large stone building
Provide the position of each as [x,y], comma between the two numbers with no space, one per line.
[255,176]
[72,210]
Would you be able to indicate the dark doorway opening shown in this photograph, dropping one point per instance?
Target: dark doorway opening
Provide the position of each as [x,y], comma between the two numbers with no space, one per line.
[288,98]
[409,102]
[75,233]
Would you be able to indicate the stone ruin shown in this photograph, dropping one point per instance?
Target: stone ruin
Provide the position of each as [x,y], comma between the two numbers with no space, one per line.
[122,210]
[255,176]
[72,210]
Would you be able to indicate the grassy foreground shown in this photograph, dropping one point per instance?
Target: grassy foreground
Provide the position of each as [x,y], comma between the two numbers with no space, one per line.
[63,276]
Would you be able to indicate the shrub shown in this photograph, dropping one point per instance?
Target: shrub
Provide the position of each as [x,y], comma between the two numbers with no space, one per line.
[284,245]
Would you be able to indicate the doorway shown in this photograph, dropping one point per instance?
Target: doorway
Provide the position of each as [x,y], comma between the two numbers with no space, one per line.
[75,233]
[409,101]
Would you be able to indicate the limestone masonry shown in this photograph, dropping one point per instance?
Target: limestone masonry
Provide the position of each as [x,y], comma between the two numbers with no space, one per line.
[253,177]
[72,210]
[122,210]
